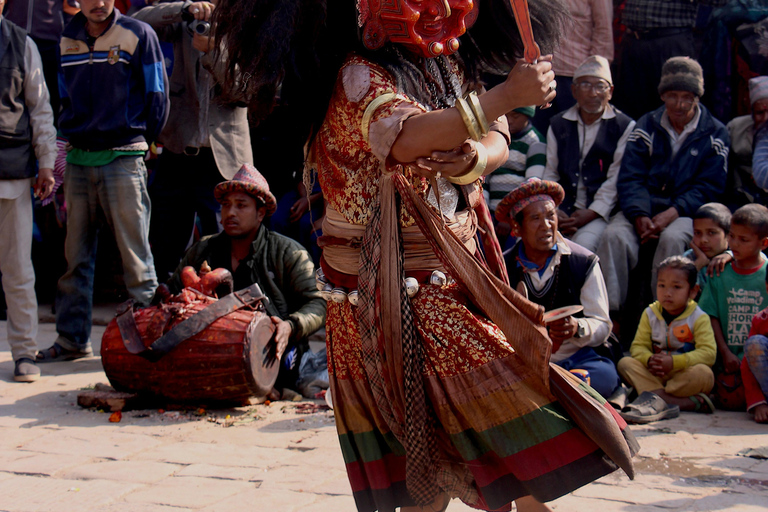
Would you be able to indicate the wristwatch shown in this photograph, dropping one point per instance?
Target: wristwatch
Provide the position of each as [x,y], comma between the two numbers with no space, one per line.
[580,330]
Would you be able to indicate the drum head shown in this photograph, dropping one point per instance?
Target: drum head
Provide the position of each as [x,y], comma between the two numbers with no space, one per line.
[260,350]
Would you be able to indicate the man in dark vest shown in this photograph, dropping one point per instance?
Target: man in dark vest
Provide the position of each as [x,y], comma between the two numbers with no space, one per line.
[585,145]
[27,138]
[555,272]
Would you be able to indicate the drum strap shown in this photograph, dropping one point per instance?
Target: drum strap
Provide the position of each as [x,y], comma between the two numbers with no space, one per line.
[186,329]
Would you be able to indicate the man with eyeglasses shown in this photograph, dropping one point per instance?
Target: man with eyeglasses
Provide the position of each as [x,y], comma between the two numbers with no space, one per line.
[674,162]
[585,145]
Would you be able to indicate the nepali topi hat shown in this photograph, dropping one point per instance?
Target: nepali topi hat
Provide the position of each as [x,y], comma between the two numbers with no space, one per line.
[530,191]
[758,89]
[250,181]
[596,66]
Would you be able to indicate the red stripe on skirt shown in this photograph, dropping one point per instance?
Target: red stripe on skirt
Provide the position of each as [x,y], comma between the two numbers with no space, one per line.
[535,461]
[377,474]
[619,420]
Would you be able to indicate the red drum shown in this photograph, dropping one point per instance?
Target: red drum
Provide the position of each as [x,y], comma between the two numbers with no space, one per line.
[229,360]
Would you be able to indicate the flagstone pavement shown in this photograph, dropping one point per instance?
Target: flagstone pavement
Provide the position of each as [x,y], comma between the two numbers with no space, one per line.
[57,456]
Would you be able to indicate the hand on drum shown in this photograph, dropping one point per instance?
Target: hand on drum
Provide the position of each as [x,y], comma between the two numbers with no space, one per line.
[531,84]
[282,335]
[447,163]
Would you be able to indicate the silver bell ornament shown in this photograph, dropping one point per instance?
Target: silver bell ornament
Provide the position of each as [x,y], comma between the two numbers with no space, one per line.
[353,297]
[320,279]
[326,291]
[438,278]
[411,286]
[338,295]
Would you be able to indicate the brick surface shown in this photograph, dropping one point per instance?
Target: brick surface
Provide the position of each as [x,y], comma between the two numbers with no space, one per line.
[271,458]
[190,492]
[122,471]
[108,445]
[40,464]
[223,472]
[31,494]
[221,454]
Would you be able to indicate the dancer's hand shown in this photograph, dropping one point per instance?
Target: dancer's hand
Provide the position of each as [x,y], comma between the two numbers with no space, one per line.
[530,84]
[448,163]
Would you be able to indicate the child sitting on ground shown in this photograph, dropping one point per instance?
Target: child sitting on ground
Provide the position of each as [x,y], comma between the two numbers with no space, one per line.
[734,297]
[754,366]
[711,224]
[673,350]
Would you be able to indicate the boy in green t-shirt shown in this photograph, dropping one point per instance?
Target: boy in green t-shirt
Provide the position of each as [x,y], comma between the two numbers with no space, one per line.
[734,297]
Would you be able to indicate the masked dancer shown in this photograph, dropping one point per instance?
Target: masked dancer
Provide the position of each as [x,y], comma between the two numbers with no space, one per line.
[441,389]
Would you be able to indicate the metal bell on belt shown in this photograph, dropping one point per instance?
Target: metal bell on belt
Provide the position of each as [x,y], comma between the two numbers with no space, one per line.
[353,297]
[438,278]
[326,291]
[320,279]
[411,286]
[338,295]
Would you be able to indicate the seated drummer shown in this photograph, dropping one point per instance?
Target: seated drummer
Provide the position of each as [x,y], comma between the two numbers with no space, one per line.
[281,267]
[557,272]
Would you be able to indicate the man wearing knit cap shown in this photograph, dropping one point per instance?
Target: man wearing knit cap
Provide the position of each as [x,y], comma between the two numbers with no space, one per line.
[281,267]
[655,31]
[527,155]
[674,162]
[585,145]
[555,273]
[741,188]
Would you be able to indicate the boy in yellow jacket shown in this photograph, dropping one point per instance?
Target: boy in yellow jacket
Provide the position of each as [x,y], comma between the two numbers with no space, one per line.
[673,350]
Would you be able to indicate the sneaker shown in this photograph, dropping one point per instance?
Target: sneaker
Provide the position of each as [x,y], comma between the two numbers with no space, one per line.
[26,370]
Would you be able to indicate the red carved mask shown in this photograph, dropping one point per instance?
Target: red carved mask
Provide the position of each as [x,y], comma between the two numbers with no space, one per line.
[427,27]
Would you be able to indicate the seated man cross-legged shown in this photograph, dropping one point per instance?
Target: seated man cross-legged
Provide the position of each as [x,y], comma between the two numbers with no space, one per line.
[557,272]
[674,162]
[585,145]
[281,267]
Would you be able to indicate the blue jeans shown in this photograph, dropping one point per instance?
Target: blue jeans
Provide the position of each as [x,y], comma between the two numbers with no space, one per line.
[603,376]
[756,354]
[115,194]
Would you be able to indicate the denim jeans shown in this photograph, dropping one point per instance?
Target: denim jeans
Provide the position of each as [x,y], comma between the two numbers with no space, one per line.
[756,354]
[115,194]
[602,372]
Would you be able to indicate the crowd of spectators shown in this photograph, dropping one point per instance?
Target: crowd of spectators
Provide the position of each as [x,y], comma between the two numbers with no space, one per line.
[636,168]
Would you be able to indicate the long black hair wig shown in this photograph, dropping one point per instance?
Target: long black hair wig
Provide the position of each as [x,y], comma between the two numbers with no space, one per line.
[293,49]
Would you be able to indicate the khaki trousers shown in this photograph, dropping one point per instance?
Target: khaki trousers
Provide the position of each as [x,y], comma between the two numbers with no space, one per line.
[18,273]
[682,383]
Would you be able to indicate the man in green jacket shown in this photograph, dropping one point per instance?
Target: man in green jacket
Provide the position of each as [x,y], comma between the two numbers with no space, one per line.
[281,267]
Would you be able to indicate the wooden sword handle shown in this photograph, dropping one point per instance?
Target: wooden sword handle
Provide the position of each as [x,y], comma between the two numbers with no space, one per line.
[523,19]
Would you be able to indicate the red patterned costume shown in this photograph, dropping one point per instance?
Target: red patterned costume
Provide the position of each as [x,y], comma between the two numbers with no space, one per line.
[441,388]
[500,433]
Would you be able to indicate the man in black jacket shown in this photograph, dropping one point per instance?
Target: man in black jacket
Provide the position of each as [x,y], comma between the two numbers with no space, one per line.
[281,267]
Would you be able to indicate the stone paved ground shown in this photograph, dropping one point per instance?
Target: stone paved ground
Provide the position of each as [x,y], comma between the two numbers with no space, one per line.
[56,456]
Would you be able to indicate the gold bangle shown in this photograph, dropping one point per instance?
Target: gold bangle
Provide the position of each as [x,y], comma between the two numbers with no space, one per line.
[477,109]
[475,172]
[470,122]
[371,109]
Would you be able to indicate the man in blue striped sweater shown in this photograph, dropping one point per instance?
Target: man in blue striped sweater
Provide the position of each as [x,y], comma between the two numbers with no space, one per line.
[113,90]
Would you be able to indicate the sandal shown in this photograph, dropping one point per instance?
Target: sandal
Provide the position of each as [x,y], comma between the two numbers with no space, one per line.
[56,353]
[703,403]
[649,407]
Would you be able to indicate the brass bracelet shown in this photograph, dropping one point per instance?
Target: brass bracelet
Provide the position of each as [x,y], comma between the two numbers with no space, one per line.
[477,109]
[371,109]
[475,172]
[470,122]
